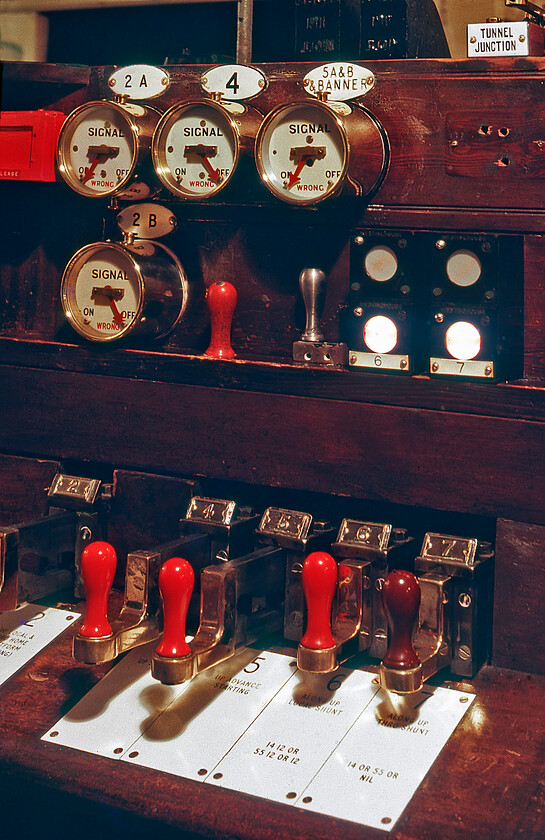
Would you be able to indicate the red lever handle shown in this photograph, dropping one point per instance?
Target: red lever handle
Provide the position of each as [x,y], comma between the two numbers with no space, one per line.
[176,581]
[401,600]
[98,564]
[221,298]
[319,583]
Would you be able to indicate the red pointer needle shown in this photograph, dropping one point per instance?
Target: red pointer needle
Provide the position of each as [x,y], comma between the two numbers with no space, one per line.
[294,176]
[213,173]
[89,171]
[118,317]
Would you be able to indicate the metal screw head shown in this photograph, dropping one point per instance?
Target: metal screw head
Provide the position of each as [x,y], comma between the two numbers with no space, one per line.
[379,583]
[359,240]
[111,83]
[439,317]
[464,652]
[488,371]
[486,247]
[464,599]
[353,359]
[434,367]
[440,244]
[358,311]
[296,619]
[473,40]
[85,533]
[403,363]
[522,38]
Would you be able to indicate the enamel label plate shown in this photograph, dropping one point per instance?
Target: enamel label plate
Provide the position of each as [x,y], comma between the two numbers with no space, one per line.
[335,743]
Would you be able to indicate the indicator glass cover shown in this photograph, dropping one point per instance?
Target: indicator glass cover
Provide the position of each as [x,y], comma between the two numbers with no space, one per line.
[101,292]
[302,152]
[380,334]
[195,149]
[463,340]
[97,148]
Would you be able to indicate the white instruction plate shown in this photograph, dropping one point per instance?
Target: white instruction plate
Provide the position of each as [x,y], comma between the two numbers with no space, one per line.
[375,770]
[213,711]
[25,632]
[335,744]
[287,745]
[115,713]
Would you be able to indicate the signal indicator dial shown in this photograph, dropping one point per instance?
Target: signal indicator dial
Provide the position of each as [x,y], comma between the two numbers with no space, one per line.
[304,150]
[101,144]
[110,290]
[195,149]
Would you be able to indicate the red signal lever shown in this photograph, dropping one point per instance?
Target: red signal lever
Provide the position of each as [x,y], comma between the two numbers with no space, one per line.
[176,581]
[98,564]
[221,298]
[318,648]
[401,669]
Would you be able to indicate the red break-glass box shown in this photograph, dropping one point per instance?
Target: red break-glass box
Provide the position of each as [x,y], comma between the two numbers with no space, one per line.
[27,144]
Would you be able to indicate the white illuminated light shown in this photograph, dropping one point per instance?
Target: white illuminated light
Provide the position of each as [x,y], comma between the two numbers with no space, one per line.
[463,340]
[380,334]
[381,263]
[463,268]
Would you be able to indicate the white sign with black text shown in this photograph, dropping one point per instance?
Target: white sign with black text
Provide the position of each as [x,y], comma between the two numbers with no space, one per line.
[336,744]
[25,632]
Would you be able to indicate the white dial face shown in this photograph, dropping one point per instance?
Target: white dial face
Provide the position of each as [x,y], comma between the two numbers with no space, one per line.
[195,150]
[302,153]
[97,149]
[101,293]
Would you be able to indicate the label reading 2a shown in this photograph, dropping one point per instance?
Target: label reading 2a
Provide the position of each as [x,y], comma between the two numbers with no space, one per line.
[139,81]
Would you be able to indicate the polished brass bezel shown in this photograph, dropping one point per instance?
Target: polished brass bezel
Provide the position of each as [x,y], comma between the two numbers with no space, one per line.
[158,150]
[68,290]
[263,137]
[64,164]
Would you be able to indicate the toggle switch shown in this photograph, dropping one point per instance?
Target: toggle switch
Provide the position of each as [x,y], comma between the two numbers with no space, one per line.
[176,581]
[221,298]
[42,556]
[98,565]
[317,649]
[409,662]
[455,580]
[241,600]
[212,531]
[312,347]
[368,551]
[401,596]
[298,535]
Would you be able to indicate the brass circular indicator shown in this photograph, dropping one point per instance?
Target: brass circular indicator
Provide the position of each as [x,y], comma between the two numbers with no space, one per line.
[195,149]
[100,145]
[302,152]
[111,290]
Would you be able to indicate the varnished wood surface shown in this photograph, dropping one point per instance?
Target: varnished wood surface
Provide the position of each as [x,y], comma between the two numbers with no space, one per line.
[490,466]
[523,400]
[519,625]
[24,483]
[486,783]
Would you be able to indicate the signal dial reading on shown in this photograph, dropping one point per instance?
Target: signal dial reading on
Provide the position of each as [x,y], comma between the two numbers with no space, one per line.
[99,146]
[195,149]
[302,152]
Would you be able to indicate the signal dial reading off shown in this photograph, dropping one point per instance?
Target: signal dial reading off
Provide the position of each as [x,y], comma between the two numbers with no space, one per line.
[195,149]
[109,290]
